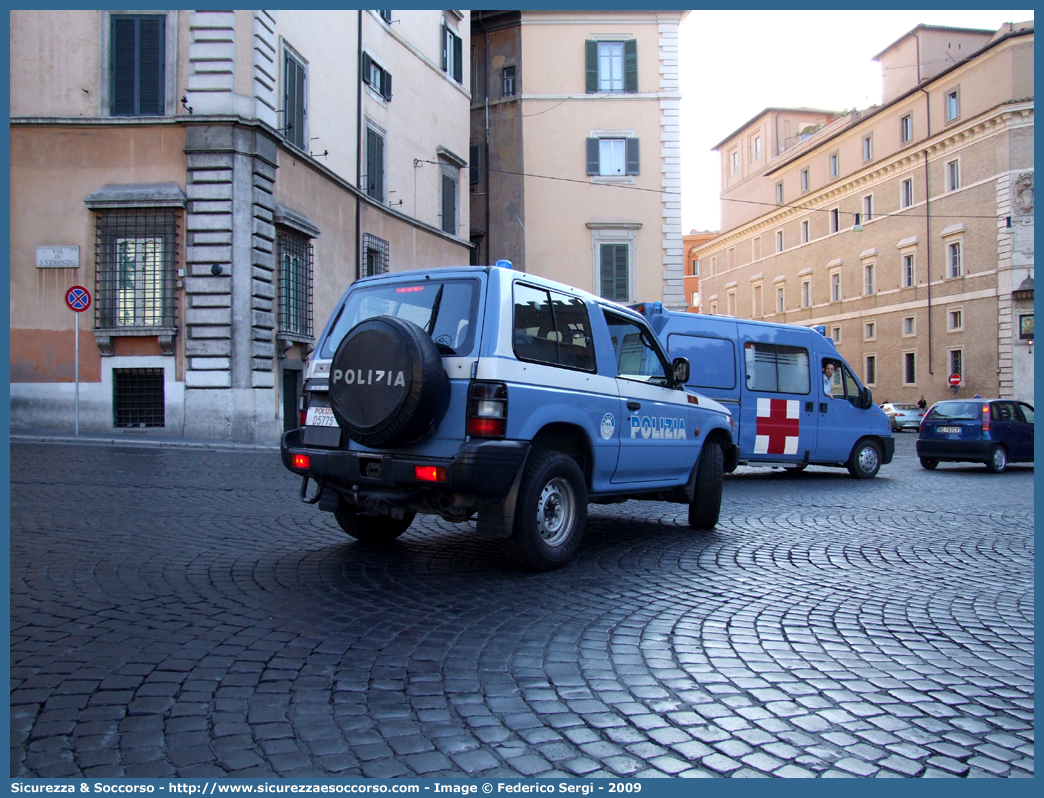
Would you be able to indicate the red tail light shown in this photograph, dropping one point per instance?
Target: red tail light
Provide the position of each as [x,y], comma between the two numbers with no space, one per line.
[986,418]
[429,473]
[302,461]
[303,418]
[486,427]
[487,410]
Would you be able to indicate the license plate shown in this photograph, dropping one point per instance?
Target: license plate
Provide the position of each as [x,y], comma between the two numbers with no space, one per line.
[320,417]
[949,429]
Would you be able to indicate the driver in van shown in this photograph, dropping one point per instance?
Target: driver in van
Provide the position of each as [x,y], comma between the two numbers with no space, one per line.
[828,378]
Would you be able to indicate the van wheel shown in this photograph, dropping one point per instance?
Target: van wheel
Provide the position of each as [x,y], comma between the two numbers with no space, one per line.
[865,460]
[998,460]
[551,512]
[706,498]
[370,528]
[929,463]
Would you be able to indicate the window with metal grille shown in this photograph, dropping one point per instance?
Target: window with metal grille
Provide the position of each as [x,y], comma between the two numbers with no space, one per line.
[375,255]
[137,61]
[295,285]
[137,398]
[871,369]
[615,278]
[957,362]
[294,101]
[135,252]
[449,203]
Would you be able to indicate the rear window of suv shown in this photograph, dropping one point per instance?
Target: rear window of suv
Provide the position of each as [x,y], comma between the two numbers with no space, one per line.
[452,305]
[956,411]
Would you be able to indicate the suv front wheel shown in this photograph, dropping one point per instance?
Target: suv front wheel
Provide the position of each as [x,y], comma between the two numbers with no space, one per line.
[551,512]
[370,528]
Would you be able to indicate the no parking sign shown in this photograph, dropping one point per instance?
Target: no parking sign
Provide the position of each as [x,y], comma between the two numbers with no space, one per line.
[78,298]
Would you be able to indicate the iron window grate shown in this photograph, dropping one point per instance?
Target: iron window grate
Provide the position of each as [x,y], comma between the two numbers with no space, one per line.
[135,253]
[375,255]
[295,285]
[137,398]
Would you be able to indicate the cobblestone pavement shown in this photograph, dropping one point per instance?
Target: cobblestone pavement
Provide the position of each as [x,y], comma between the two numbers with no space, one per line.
[180,612]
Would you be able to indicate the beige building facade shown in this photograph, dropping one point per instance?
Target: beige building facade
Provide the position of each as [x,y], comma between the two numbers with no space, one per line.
[575,148]
[905,230]
[217,179]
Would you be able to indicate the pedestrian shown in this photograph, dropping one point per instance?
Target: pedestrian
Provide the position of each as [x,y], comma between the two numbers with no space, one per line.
[921,403]
[828,378]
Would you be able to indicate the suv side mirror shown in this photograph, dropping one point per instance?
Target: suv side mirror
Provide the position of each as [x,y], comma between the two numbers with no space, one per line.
[680,367]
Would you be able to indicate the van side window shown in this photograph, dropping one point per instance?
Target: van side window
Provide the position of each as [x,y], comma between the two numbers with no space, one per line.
[776,368]
[851,385]
[635,356]
[712,361]
[552,328]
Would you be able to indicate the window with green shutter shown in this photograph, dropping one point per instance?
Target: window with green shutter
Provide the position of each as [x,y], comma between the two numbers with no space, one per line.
[137,65]
[452,54]
[449,204]
[611,66]
[294,101]
[614,277]
[374,164]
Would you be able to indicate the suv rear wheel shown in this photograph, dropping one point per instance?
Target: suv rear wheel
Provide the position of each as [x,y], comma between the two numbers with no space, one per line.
[370,528]
[706,498]
[551,512]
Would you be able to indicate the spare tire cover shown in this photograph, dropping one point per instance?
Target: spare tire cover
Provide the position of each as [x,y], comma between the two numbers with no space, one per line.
[386,382]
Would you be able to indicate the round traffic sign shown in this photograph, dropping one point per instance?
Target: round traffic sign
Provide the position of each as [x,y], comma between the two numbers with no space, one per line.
[78,298]
[955,380]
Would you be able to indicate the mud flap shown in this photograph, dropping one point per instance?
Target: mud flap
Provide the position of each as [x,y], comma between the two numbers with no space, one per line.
[497,519]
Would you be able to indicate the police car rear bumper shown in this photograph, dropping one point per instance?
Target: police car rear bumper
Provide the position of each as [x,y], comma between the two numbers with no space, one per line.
[480,468]
[955,450]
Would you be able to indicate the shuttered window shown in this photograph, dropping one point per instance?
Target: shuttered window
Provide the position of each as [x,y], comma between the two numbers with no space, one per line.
[294,100]
[137,65]
[452,54]
[474,164]
[449,204]
[611,66]
[613,156]
[614,272]
[376,76]
[374,164]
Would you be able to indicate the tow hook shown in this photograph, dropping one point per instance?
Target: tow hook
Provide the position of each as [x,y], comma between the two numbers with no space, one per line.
[304,491]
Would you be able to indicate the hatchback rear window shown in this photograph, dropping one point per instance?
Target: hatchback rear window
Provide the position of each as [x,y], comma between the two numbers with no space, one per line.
[445,308]
[956,411]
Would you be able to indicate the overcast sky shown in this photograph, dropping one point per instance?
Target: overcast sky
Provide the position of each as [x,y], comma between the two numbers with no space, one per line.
[737,63]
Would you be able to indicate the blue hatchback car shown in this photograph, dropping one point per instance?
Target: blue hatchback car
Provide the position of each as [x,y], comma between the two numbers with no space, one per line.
[990,431]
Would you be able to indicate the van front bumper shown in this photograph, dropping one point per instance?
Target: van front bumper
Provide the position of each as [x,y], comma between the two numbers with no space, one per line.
[480,468]
[889,449]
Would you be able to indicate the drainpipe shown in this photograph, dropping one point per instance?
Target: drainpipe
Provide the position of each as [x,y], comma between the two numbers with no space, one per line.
[485,80]
[358,149]
[928,220]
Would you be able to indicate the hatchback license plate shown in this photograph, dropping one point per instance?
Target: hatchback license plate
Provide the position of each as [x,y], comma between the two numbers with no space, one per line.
[320,417]
[949,429]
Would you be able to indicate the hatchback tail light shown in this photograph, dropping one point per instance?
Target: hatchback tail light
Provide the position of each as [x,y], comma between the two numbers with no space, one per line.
[487,409]
[986,418]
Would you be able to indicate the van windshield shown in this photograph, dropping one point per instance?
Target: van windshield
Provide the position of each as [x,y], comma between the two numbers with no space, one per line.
[455,312]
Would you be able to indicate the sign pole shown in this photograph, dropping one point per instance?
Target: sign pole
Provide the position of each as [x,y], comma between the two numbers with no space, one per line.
[77,338]
[78,299]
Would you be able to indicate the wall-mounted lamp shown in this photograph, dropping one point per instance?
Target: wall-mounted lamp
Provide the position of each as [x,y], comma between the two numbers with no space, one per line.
[1030,342]
[857,227]
[216,270]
